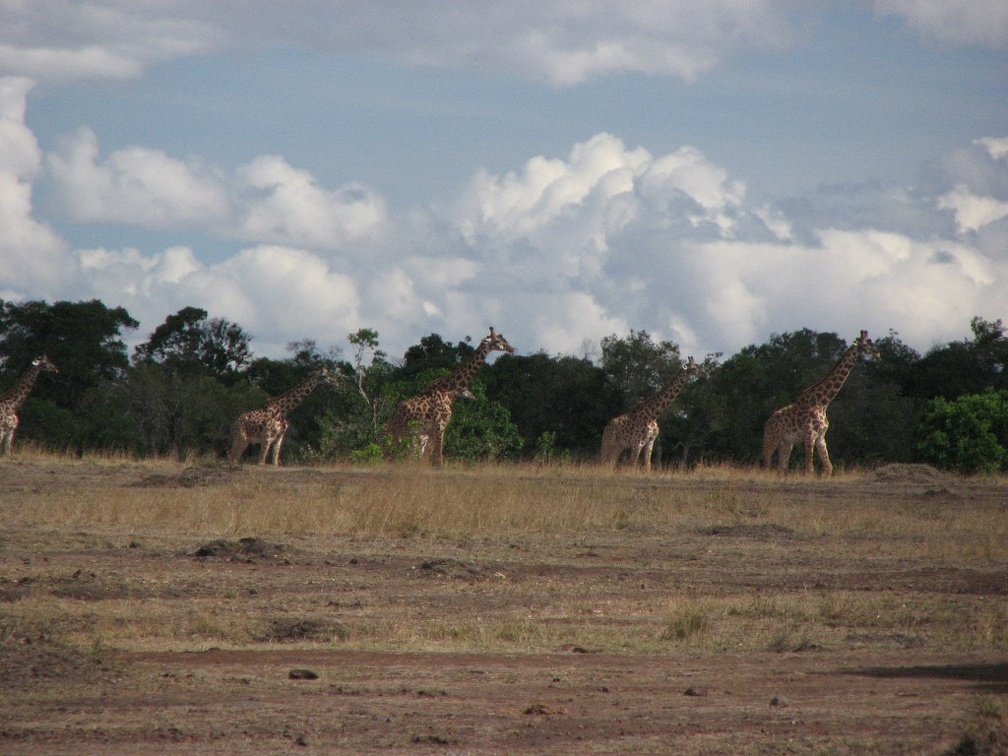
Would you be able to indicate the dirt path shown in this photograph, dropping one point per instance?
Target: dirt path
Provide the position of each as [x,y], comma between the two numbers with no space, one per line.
[805,638]
[365,702]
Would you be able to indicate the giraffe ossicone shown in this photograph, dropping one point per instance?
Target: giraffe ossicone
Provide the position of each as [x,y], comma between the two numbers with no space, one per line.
[267,426]
[11,401]
[638,429]
[421,421]
[805,419]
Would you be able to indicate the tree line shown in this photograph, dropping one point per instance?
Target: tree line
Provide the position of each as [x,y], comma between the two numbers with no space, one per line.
[179,391]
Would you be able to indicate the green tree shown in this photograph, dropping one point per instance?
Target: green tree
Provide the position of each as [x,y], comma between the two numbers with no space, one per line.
[161,412]
[354,424]
[963,367]
[968,434]
[432,358]
[190,342]
[638,366]
[83,339]
[568,397]
[481,429]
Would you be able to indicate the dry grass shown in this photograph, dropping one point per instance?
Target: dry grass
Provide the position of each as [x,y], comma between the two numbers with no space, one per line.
[518,558]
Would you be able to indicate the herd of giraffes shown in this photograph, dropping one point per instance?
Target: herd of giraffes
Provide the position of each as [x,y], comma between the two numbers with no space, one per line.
[421,421]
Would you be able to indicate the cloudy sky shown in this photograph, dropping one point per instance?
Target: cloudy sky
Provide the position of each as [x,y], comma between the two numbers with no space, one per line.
[713,173]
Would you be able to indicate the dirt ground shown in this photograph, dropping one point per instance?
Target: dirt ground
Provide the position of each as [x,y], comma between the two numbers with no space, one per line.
[304,686]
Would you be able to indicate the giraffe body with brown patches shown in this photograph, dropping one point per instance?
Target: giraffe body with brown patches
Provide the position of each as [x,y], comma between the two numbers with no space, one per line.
[423,419]
[638,430]
[11,401]
[267,426]
[805,421]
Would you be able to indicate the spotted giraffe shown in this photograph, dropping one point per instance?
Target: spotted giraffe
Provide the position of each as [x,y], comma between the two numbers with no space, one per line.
[805,419]
[425,417]
[419,418]
[637,430]
[267,426]
[11,401]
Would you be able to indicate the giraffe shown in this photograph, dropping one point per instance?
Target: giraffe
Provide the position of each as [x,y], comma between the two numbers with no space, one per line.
[433,408]
[419,419]
[638,429]
[805,419]
[11,401]
[268,425]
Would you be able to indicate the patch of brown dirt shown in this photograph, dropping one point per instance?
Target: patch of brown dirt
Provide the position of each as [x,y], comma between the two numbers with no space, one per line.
[299,679]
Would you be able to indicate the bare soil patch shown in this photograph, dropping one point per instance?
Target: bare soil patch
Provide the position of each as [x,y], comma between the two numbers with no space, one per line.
[684,614]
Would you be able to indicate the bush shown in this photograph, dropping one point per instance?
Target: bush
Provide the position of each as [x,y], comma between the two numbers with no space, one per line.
[968,434]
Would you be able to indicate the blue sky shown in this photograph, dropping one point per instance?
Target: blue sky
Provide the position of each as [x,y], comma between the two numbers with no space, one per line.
[711,173]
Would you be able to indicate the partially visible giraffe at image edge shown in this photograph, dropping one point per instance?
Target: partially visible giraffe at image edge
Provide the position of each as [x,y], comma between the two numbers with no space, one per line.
[638,429]
[805,419]
[267,426]
[424,418]
[11,401]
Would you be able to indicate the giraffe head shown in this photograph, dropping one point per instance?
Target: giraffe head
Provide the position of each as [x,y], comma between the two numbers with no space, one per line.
[44,363]
[865,347]
[325,375]
[495,342]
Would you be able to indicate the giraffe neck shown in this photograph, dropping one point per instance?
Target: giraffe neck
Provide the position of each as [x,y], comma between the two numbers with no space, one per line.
[291,399]
[15,397]
[459,379]
[822,393]
[652,408]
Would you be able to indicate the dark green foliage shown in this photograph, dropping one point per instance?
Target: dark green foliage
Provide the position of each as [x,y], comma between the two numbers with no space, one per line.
[83,339]
[189,342]
[637,366]
[161,412]
[566,396]
[963,367]
[431,358]
[481,430]
[968,434]
[196,374]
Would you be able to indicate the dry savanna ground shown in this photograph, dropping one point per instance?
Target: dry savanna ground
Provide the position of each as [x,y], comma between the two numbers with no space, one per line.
[197,607]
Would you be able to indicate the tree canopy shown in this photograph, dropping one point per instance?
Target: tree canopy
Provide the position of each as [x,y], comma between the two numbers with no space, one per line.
[195,373]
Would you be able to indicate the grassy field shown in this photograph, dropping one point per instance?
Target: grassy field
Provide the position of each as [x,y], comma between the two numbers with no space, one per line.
[866,612]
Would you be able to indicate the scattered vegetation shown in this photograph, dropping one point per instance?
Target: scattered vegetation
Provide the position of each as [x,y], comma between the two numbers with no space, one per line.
[181,389]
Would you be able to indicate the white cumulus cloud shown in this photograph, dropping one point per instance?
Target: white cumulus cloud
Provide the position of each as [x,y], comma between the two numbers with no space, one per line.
[556,252]
[265,201]
[975,22]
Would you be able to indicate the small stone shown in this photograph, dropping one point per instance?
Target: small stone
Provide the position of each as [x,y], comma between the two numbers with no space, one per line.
[778,701]
[695,692]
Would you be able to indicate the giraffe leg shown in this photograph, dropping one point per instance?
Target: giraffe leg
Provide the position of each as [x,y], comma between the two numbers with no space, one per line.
[9,433]
[771,444]
[820,446]
[239,443]
[648,450]
[276,449]
[610,453]
[265,443]
[809,459]
[437,447]
[635,453]
[439,425]
[783,454]
[238,447]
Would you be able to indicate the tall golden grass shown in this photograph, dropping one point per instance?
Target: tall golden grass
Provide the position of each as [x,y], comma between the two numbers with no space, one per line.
[760,561]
